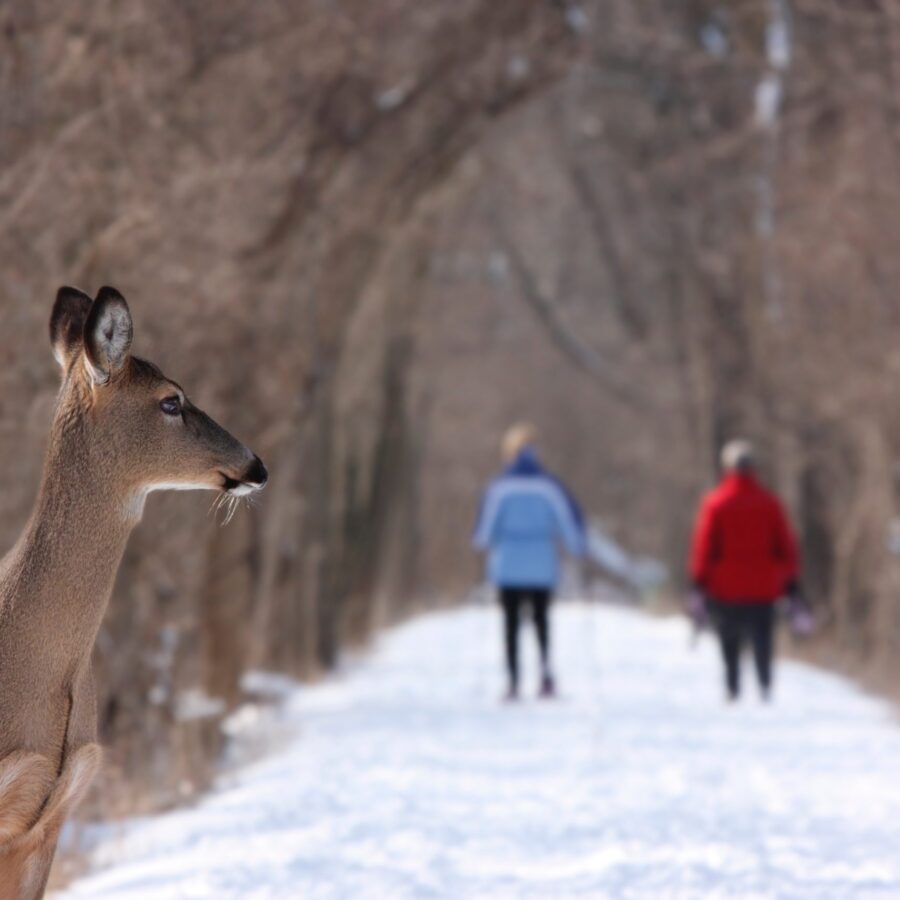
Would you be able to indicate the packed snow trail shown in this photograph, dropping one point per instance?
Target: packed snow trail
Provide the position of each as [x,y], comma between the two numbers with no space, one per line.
[407,778]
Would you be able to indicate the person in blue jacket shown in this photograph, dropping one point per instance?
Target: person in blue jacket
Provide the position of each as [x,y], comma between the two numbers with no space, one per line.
[526,515]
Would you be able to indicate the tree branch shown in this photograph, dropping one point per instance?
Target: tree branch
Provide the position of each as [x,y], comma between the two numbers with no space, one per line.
[576,352]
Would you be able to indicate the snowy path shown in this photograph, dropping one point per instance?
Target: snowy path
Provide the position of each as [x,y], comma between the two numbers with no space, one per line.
[408,779]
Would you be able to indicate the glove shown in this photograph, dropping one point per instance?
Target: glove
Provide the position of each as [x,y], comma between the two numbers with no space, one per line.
[696,609]
[800,617]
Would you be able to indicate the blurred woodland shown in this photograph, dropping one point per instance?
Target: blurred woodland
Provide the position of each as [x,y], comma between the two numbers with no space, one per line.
[366,235]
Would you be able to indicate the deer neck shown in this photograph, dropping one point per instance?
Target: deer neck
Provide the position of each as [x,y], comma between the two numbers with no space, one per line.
[60,575]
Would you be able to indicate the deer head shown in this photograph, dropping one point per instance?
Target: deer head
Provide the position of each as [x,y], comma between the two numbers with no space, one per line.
[140,430]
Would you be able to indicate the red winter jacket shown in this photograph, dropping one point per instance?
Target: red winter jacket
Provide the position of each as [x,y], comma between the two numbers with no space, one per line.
[743,549]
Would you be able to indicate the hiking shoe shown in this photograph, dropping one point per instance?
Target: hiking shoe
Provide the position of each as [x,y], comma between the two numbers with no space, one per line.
[548,687]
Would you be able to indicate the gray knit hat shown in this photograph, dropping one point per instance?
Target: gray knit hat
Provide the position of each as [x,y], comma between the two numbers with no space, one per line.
[738,456]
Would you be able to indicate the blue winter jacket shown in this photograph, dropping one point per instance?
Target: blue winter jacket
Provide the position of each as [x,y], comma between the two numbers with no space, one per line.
[525,515]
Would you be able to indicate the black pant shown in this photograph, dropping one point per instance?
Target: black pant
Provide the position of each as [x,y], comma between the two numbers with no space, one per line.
[736,623]
[512,600]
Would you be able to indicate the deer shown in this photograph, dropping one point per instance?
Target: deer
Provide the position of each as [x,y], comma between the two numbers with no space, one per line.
[121,430]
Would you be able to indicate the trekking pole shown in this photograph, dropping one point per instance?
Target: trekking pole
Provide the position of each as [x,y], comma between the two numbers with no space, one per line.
[594,670]
[590,604]
[472,652]
[694,637]
[481,595]
[699,616]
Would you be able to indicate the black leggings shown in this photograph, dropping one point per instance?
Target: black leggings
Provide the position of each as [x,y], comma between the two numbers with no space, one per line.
[512,600]
[736,623]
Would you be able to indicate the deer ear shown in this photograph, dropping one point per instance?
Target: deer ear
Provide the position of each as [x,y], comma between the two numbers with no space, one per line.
[70,312]
[107,335]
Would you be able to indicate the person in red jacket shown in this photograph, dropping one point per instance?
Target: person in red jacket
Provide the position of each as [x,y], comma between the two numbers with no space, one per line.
[743,560]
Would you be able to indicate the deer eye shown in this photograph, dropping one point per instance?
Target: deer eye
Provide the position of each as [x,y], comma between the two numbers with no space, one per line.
[171,406]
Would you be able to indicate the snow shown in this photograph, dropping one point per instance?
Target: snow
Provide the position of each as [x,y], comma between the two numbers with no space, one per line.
[405,777]
[714,40]
[768,99]
[267,684]
[778,35]
[394,97]
[195,703]
[576,18]
[770,88]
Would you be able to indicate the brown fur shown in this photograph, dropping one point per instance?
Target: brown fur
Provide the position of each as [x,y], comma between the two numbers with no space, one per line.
[110,444]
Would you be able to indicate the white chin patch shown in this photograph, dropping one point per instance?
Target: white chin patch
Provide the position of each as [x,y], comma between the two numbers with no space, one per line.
[241,490]
[182,486]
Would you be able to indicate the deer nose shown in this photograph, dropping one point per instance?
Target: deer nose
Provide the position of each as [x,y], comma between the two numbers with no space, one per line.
[256,474]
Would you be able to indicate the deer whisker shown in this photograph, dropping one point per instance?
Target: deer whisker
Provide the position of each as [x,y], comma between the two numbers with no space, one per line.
[232,504]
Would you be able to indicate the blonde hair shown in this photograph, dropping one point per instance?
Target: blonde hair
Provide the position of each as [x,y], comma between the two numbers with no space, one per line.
[516,439]
[738,456]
